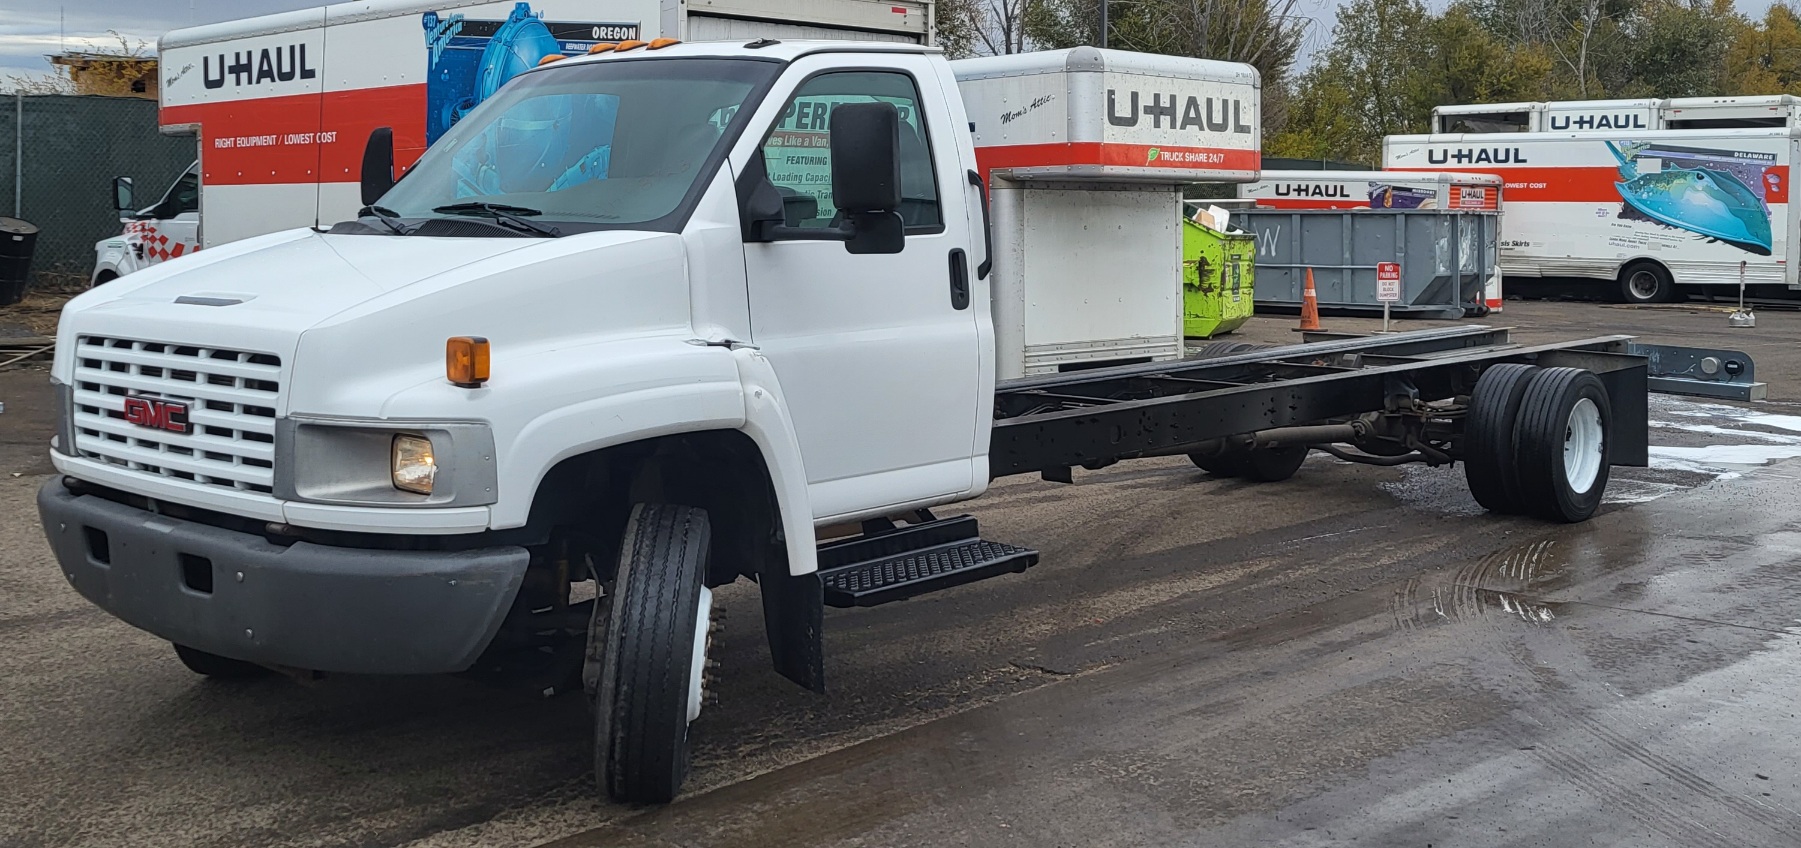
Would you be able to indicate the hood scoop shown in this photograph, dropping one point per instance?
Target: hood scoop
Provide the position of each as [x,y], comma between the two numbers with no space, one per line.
[214,299]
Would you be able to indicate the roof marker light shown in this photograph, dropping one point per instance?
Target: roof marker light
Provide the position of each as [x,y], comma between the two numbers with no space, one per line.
[628,44]
[551,58]
[660,43]
[602,47]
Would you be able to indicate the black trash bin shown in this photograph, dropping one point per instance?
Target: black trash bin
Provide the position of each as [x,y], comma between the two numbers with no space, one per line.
[17,241]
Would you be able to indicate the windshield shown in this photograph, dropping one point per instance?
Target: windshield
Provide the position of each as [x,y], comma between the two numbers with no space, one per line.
[606,144]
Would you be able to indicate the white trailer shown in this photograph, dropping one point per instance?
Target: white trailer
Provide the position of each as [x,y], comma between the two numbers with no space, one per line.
[281,104]
[1652,211]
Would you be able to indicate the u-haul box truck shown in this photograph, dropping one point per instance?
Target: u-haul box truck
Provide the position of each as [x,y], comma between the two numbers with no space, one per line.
[281,105]
[1556,116]
[1651,210]
[1680,113]
[1373,190]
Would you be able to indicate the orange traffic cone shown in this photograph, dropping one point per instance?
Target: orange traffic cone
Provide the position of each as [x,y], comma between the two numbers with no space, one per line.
[1309,307]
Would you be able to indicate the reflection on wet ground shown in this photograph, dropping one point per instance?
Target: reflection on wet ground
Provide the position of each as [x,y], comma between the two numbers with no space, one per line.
[1627,682]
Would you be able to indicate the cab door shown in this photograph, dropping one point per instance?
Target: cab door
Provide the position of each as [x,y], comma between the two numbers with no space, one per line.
[877,355]
[172,226]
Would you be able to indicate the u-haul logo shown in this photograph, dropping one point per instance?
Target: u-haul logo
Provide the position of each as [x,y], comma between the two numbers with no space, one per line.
[1604,121]
[1476,156]
[253,67]
[1304,190]
[1215,114]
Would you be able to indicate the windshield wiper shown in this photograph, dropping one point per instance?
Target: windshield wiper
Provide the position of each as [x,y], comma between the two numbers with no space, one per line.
[502,214]
[386,216]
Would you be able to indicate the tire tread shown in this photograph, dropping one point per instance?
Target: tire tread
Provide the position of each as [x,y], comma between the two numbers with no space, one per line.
[1538,443]
[1489,465]
[641,729]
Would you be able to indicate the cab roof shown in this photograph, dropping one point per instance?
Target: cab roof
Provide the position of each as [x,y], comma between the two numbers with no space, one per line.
[763,48]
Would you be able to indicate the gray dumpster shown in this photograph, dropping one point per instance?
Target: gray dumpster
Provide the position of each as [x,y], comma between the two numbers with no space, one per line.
[1446,256]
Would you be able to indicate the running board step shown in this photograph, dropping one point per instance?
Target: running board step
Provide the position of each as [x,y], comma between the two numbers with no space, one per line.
[913,560]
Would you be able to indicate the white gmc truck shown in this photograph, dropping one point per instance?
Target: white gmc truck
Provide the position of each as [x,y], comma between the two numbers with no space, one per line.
[654,319]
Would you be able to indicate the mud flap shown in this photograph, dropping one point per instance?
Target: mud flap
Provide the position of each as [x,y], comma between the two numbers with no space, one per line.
[793,617]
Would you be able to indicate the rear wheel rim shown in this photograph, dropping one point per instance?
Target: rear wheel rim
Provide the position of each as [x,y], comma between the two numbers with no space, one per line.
[1643,285]
[1582,446]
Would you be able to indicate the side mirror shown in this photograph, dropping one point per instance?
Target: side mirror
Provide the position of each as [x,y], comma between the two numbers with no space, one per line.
[866,157]
[122,194]
[378,164]
[866,175]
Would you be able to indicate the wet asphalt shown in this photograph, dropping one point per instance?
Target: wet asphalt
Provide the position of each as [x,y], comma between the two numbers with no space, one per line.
[1359,656]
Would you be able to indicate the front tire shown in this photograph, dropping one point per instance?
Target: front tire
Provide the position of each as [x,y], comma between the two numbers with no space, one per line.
[653,656]
[1647,282]
[1561,444]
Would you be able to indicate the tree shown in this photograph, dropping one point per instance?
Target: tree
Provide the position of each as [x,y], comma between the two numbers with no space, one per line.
[1576,34]
[1374,80]
[1678,48]
[984,27]
[1765,57]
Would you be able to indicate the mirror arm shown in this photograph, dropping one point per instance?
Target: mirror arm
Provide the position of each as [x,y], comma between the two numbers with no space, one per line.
[771,231]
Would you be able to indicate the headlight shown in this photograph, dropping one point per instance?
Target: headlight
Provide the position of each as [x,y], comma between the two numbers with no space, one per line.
[413,466]
[384,462]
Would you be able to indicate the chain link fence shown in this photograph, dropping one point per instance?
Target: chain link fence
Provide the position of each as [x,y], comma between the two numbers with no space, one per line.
[58,156]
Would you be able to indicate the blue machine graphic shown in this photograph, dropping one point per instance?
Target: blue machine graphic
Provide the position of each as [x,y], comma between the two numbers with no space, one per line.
[469,60]
[1706,192]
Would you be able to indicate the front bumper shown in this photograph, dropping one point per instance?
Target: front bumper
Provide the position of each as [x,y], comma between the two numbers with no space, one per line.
[303,605]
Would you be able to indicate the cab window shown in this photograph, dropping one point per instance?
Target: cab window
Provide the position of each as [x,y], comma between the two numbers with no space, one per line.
[798,151]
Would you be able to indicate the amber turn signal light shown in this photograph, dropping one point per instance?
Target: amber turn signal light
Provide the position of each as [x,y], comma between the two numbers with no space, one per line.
[466,361]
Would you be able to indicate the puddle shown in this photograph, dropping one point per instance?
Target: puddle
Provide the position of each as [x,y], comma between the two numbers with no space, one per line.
[1721,459]
[1751,438]
[1491,587]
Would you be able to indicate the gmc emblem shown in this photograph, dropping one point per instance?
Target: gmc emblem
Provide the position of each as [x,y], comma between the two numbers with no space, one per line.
[157,414]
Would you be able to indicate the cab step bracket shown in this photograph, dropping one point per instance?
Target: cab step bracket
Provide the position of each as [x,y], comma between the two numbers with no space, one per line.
[912,560]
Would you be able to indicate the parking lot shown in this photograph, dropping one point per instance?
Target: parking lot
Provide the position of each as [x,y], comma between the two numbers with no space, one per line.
[1357,656]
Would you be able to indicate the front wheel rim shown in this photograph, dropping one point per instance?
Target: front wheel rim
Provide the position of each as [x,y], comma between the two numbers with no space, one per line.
[697,669]
[1643,284]
[1582,446]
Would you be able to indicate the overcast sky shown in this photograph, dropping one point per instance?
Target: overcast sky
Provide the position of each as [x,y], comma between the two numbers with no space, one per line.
[30,29]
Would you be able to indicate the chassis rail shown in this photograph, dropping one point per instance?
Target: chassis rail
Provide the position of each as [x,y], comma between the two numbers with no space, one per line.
[1096,417]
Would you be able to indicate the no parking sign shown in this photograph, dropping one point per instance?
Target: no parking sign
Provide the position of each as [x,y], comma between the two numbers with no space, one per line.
[1388,282]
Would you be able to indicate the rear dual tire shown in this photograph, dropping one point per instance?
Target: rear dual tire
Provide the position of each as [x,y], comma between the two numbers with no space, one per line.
[1536,442]
[1268,465]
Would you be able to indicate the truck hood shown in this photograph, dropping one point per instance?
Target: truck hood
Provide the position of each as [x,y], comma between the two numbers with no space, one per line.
[264,294]
[278,282]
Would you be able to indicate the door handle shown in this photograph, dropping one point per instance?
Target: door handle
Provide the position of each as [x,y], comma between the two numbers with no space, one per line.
[959,279]
[975,179]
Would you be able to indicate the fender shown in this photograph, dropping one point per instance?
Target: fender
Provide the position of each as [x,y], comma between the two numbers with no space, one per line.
[115,255]
[767,422]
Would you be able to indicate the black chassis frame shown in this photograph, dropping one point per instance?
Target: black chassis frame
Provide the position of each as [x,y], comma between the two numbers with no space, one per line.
[1096,417]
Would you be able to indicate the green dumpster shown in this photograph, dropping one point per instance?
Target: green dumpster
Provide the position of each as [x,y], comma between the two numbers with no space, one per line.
[1217,272]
